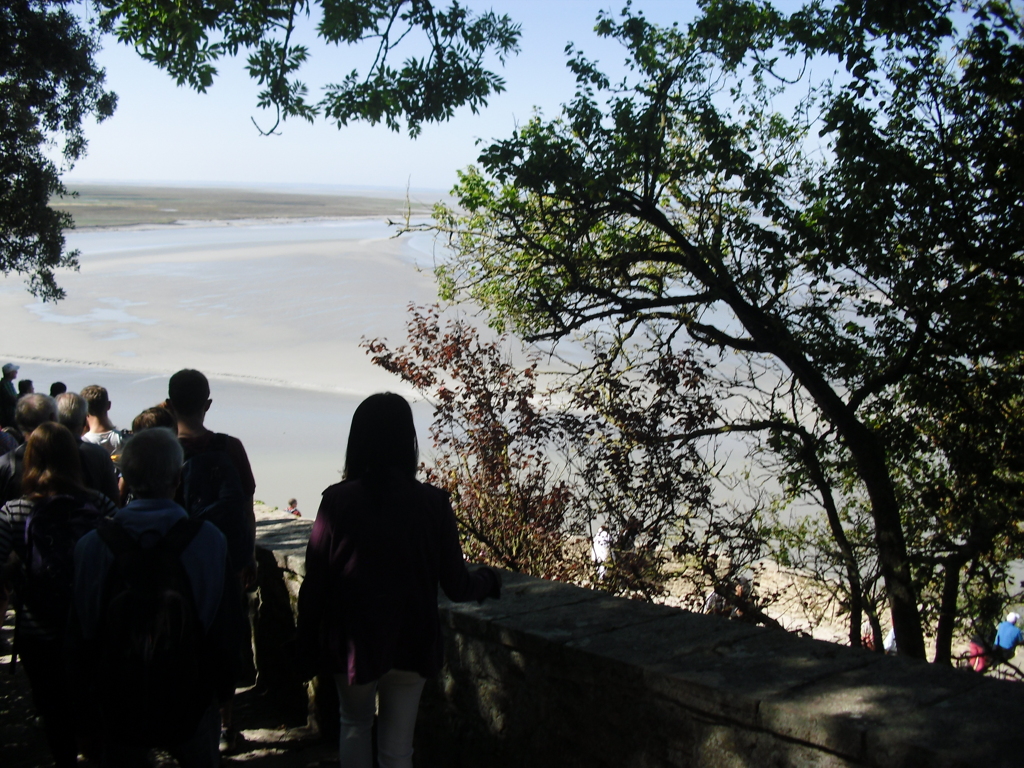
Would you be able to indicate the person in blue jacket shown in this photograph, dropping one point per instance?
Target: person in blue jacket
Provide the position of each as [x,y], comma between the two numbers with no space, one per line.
[1008,637]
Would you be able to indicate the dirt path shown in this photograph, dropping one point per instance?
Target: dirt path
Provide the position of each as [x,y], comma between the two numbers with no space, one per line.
[269,738]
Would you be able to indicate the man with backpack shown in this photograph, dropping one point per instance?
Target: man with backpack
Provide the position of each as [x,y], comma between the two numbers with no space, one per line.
[42,529]
[210,489]
[217,485]
[155,617]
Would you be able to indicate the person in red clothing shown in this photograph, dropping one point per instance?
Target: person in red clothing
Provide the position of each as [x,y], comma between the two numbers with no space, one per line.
[380,545]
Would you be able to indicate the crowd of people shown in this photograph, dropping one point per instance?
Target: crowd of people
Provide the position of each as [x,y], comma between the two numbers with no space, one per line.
[127,555]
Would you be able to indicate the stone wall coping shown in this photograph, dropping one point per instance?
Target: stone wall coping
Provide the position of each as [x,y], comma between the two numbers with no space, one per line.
[872,709]
[862,708]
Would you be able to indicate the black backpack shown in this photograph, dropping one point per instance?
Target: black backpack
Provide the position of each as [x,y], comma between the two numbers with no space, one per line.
[52,530]
[211,489]
[154,676]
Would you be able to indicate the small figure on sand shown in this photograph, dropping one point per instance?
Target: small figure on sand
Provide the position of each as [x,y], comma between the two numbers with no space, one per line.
[602,550]
[293,508]
[717,604]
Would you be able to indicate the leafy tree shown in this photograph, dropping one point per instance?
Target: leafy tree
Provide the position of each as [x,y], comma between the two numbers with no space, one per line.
[187,39]
[533,469]
[833,198]
[493,436]
[49,84]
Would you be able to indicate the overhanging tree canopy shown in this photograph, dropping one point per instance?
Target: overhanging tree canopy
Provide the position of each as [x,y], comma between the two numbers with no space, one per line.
[49,84]
[833,195]
[187,39]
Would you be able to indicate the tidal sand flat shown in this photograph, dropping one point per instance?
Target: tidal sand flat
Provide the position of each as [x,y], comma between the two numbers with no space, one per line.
[272,313]
[111,205]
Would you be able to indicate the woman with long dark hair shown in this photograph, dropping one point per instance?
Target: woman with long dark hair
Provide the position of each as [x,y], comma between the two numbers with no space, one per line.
[381,544]
[62,510]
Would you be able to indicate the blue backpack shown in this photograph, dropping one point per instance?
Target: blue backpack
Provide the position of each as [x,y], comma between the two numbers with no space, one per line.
[154,664]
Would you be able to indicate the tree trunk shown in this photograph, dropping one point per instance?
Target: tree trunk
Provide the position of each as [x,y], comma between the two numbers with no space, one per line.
[817,473]
[892,547]
[947,608]
[774,337]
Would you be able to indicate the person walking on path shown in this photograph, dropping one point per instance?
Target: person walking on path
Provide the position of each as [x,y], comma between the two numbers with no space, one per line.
[32,411]
[8,395]
[380,545]
[98,470]
[218,485]
[101,431]
[61,508]
[174,703]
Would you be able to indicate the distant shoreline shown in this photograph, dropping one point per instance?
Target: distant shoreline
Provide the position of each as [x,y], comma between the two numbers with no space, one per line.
[100,207]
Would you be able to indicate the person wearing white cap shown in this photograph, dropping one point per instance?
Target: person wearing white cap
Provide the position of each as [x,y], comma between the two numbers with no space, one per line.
[8,395]
[1008,637]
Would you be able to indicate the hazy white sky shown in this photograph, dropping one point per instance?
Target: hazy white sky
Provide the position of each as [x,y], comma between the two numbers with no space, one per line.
[163,133]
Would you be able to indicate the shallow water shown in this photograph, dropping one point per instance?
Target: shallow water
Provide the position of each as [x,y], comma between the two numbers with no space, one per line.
[272,313]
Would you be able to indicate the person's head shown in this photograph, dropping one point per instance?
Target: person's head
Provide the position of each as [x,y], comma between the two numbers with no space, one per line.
[293,502]
[151,463]
[33,410]
[189,393]
[52,463]
[25,387]
[157,416]
[382,441]
[58,388]
[10,371]
[71,412]
[1012,617]
[97,400]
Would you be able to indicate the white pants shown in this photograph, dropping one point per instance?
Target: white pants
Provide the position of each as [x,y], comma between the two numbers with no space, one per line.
[399,693]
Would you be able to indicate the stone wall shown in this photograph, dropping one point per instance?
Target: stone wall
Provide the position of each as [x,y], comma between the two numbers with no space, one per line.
[556,675]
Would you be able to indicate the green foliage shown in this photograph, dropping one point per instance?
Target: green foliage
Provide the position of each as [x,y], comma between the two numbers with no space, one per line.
[49,84]
[833,198]
[187,39]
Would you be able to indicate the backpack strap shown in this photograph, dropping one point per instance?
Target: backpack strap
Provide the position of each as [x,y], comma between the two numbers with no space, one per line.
[180,535]
[123,546]
[177,538]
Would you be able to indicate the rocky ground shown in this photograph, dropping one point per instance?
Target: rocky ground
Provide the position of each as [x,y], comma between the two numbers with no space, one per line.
[270,738]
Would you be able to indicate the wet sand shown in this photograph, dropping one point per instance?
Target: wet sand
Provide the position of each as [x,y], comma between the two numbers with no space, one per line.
[272,313]
[119,205]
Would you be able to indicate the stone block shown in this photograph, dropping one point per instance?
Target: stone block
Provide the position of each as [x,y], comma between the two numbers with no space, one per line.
[660,634]
[731,679]
[980,725]
[838,713]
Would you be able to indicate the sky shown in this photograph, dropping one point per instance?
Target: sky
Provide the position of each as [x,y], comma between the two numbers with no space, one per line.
[162,133]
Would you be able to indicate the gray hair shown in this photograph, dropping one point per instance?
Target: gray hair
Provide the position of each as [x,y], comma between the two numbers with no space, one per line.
[71,412]
[151,463]
[33,410]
